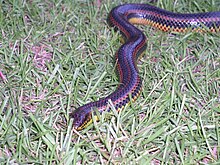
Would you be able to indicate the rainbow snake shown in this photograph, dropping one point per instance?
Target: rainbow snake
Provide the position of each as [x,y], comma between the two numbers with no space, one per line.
[122,18]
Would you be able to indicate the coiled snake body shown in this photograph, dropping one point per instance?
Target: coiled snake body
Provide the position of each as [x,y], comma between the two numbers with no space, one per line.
[122,18]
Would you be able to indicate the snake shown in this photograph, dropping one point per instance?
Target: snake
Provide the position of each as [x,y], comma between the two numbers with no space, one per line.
[123,18]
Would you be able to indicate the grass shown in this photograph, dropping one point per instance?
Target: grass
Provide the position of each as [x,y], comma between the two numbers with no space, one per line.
[59,55]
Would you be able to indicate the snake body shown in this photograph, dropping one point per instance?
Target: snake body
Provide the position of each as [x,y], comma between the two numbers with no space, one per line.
[122,18]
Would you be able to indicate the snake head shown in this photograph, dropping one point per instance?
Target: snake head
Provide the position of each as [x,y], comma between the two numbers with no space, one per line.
[82,117]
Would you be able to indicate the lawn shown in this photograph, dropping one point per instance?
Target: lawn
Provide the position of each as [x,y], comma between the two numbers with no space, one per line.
[58,55]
